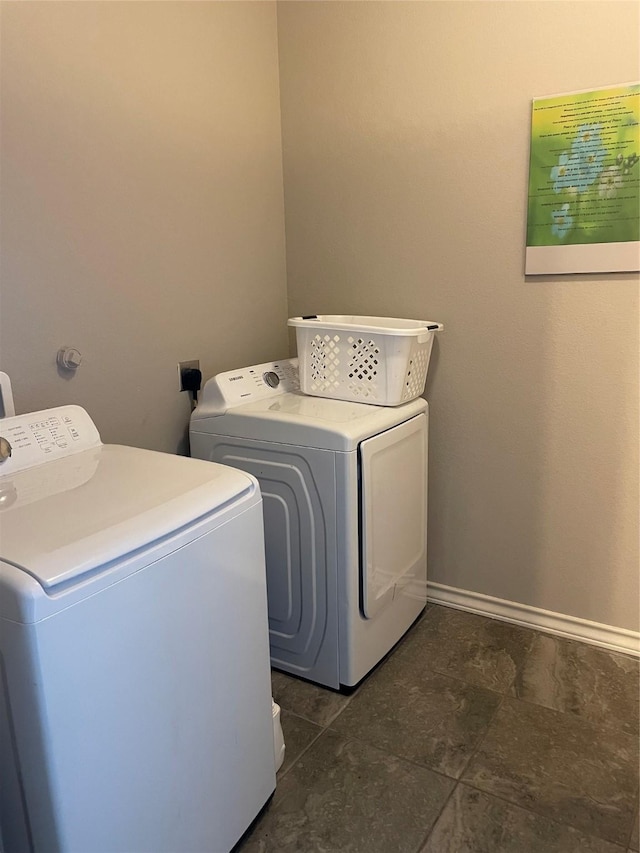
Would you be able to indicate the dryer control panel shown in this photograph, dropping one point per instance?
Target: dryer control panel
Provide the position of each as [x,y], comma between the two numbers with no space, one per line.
[258,382]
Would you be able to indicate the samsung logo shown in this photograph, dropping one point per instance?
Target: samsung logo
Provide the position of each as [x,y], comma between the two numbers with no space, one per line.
[235,378]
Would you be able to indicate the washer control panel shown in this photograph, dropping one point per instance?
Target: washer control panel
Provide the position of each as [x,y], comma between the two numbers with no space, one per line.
[258,382]
[37,437]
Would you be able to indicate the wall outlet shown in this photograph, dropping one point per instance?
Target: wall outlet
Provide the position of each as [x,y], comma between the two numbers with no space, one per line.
[186,365]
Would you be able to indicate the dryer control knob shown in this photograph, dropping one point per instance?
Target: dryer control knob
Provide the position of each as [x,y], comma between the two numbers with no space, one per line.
[271,378]
[5,450]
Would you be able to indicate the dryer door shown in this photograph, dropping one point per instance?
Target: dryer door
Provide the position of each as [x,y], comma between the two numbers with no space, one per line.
[394,514]
[298,486]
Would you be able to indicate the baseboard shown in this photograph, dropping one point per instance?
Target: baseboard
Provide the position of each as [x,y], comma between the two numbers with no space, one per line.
[607,636]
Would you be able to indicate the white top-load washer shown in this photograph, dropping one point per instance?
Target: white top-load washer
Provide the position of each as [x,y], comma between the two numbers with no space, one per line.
[344,489]
[135,700]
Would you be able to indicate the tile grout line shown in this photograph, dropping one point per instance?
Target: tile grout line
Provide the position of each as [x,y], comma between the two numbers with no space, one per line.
[302,716]
[461,781]
[482,739]
[346,705]
[571,715]
[392,755]
[440,813]
[518,805]
[503,696]
[323,728]
[270,803]
[535,813]
[458,781]
[456,677]
[636,817]
[407,761]
[348,697]
[347,737]
[304,752]
[604,723]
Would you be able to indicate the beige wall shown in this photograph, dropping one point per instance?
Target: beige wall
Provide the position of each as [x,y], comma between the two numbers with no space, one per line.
[142,221]
[406,129]
[141,202]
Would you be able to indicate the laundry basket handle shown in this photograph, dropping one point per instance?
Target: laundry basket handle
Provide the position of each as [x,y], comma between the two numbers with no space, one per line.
[429,327]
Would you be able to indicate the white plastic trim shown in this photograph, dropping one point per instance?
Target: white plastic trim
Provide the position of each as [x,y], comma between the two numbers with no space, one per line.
[6,396]
[596,633]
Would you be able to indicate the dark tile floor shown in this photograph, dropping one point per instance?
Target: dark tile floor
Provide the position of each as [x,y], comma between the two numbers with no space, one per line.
[472,736]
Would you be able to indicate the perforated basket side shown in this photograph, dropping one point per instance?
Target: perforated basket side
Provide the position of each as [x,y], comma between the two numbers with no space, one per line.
[362,365]
[364,380]
[323,362]
[416,375]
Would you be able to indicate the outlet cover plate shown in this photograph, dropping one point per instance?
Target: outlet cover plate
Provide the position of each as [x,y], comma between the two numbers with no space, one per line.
[194,364]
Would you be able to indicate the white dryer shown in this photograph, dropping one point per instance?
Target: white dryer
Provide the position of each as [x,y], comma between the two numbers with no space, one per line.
[344,489]
[135,696]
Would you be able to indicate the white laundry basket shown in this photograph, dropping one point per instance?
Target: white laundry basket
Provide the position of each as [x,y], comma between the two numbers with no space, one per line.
[379,360]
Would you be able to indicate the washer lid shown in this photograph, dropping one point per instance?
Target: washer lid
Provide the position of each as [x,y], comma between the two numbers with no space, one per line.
[65,518]
[296,418]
